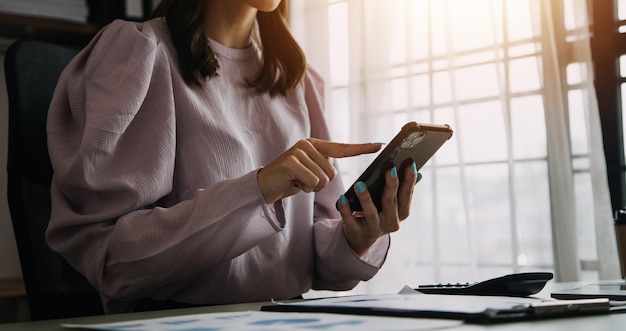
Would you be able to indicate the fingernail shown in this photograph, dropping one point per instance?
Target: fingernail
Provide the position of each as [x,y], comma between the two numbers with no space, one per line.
[394,172]
[419,176]
[413,167]
[379,144]
[343,200]
[360,186]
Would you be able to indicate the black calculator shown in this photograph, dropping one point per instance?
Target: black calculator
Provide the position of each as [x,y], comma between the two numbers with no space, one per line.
[518,285]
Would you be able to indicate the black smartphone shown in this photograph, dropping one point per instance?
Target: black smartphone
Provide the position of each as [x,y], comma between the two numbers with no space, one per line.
[416,142]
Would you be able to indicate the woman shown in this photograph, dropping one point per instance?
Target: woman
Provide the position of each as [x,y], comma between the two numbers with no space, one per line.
[192,165]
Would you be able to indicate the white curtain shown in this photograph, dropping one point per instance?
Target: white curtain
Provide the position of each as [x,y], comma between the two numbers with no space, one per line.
[522,185]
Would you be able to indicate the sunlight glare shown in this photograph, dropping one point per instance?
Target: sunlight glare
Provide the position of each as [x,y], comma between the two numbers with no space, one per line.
[474,23]
[522,260]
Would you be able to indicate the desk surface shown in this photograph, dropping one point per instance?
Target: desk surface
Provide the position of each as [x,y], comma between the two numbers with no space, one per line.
[598,322]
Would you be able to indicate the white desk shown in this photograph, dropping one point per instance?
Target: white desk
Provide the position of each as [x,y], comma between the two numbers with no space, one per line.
[583,323]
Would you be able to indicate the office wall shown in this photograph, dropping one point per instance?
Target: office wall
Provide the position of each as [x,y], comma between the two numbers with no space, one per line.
[9,261]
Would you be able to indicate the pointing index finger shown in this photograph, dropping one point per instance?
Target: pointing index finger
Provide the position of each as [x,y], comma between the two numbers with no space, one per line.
[340,150]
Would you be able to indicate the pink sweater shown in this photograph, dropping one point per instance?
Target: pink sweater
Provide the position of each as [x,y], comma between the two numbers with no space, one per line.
[155,192]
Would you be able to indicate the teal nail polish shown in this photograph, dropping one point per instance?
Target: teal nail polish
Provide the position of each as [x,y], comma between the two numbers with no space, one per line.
[394,172]
[413,168]
[379,144]
[360,186]
[419,176]
[343,200]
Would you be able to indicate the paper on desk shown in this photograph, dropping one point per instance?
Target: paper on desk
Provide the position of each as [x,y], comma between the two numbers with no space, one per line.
[431,302]
[411,300]
[257,320]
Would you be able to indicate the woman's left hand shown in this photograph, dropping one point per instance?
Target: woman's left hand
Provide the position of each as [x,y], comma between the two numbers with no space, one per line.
[363,229]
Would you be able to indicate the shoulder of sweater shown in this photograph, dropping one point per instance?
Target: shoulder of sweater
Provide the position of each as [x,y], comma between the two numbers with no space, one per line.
[155,29]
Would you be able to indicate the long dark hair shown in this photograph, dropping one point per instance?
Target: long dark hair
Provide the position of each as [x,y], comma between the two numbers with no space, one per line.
[283,61]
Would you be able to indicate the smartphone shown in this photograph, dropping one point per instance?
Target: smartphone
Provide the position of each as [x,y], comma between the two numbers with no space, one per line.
[416,142]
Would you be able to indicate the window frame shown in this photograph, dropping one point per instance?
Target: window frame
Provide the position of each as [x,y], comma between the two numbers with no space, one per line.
[607,45]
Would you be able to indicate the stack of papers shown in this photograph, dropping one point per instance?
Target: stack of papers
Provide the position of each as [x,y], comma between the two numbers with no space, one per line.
[407,310]
[69,10]
[470,308]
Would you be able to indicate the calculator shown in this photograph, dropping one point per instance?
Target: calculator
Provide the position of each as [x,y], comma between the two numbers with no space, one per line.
[517,284]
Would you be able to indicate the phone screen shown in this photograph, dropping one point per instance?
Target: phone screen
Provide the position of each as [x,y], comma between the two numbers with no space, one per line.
[416,142]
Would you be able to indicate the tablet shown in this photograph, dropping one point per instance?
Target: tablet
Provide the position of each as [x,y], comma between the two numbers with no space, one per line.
[611,290]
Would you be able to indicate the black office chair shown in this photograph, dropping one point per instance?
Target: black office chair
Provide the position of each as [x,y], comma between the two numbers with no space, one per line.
[53,288]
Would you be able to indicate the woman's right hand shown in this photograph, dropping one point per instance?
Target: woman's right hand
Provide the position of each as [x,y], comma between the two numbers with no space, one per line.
[306,166]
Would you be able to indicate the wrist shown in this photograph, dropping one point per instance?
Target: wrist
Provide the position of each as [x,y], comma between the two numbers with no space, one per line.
[360,249]
[259,180]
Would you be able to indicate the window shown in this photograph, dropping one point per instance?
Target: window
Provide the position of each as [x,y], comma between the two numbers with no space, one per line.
[519,180]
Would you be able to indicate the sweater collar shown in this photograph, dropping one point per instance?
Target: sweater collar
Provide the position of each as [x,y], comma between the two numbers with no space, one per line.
[233,53]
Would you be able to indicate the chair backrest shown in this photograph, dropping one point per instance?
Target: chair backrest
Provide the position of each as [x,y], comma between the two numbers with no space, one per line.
[54,289]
